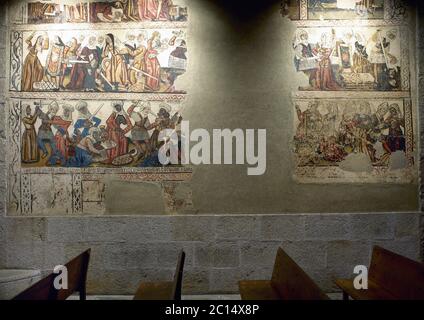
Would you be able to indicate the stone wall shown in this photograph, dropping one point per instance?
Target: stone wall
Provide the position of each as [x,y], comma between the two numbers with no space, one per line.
[220,249]
[420,82]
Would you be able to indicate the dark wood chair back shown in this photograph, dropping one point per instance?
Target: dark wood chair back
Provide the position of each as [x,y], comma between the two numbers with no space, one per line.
[400,276]
[291,282]
[178,277]
[77,278]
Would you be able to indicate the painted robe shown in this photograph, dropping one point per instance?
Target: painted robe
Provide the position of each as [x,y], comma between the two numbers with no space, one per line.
[79,71]
[29,152]
[114,67]
[117,135]
[32,70]
[152,67]
[148,9]
[62,136]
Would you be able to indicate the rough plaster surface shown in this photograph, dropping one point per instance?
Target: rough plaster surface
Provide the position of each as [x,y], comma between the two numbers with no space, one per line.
[223,249]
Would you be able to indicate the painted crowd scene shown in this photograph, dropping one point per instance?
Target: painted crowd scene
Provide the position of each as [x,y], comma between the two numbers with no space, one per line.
[106,11]
[101,61]
[333,59]
[95,133]
[345,9]
[329,132]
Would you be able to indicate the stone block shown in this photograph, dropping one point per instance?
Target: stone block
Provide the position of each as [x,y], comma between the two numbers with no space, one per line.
[65,229]
[25,230]
[309,255]
[192,228]
[372,226]
[258,254]
[407,225]
[283,227]
[343,256]
[168,253]
[195,280]
[54,255]
[71,250]
[237,227]
[327,227]
[108,282]
[104,229]
[141,256]
[148,228]
[226,280]
[406,248]
[25,255]
[217,254]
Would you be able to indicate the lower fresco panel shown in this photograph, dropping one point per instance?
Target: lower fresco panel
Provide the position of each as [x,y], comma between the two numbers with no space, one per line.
[353,141]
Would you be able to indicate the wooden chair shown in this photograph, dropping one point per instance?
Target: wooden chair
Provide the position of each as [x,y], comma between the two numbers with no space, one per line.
[288,282]
[390,276]
[77,278]
[163,290]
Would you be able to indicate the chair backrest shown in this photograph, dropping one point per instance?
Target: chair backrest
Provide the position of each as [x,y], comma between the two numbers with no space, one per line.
[401,276]
[77,278]
[291,282]
[178,277]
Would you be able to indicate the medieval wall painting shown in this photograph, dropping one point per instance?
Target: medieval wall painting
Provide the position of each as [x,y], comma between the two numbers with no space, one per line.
[48,12]
[69,149]
[92,133]
[92,83]
[342,58]
[77,11]
[363,140]
[348,10]
[345,9]
[136,60]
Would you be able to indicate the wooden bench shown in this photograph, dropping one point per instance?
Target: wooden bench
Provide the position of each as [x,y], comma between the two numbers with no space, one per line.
[390,276]
[77,277]
[288,282]
[163,290]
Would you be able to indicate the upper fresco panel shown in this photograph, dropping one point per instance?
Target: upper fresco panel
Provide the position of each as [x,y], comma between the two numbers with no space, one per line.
[333,10]
[92,11]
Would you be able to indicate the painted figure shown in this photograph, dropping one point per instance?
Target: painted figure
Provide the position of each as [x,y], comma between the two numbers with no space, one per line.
[140,132]
[86,151]
[154,9]
[33,70]
[152,62]
[85,121]
[45,135]
[395,140]
[115,132]
[114,68]
[29,149]
[54,63]
[83,70]
[62,124]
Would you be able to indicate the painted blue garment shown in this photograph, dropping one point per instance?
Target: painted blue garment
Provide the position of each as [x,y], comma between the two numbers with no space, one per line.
[151,161]
[47,138]
[79,126]
[82,158]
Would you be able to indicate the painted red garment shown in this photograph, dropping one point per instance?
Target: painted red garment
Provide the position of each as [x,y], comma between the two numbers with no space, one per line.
[324,74]
[152,68]
[61,137]
[148,9]
[117,135]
